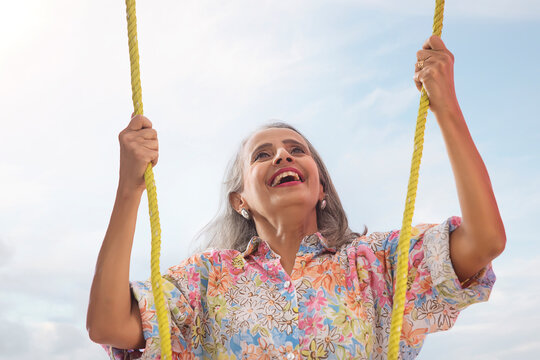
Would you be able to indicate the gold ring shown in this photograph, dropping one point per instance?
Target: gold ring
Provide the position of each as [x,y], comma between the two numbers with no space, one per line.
[420,64]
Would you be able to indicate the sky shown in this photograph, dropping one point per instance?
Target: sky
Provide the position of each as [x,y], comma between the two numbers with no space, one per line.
[341,71]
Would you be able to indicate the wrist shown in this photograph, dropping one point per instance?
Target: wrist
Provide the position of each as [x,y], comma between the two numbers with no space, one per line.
[127,191]
[448,102]
[450,112]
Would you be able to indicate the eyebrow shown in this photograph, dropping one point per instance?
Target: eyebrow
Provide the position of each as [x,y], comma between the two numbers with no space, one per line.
[286,142]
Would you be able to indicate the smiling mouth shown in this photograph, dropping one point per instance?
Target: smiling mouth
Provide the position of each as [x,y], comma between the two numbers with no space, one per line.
[286,178]
[288,183]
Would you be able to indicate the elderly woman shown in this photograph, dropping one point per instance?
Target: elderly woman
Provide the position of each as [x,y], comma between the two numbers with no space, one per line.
[286,278]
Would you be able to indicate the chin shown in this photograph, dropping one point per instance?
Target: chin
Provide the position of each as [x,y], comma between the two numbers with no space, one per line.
[297,204]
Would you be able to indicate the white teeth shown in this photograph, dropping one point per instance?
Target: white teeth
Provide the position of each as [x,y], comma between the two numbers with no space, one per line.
[278,178]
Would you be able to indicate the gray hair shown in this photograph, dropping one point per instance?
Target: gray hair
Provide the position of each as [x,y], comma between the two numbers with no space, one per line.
[229,230]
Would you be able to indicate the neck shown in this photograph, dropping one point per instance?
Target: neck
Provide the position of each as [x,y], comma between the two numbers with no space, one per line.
[285,232]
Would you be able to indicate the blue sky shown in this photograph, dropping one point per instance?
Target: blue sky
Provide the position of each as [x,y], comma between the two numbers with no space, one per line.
[341,71]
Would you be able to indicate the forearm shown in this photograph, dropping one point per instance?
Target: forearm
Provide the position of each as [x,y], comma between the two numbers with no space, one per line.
[481,221]
[481,236]
[110,298]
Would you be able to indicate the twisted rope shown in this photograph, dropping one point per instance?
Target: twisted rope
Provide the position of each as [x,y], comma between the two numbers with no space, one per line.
[157,288]
[405,233]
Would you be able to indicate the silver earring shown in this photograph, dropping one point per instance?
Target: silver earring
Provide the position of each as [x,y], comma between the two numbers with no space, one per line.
[323,204]
[245,214]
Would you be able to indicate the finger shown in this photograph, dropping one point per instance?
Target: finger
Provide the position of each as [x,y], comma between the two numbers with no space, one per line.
[417,81]
[425,54]
[147,134]
[151,145]
[434,43]
[420,65]
[139,122]
[154,156]
[154,161]
[149,156]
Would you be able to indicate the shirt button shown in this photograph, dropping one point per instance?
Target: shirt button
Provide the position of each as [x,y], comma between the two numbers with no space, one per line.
[290,356]
[287,284]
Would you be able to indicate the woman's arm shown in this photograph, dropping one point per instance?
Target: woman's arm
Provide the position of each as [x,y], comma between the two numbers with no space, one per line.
[481,236]
[113,315]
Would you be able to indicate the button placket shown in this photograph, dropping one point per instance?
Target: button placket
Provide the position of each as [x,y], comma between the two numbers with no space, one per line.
[291,289]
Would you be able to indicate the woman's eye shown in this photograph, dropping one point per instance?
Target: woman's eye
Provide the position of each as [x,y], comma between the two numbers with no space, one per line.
[260,155]
[298,149]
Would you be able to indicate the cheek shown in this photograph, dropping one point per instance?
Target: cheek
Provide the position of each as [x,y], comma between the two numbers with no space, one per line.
[254,181]
[315,174]
[315,181]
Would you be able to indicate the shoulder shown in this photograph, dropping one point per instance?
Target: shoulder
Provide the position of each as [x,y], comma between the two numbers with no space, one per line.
[387,241]
[205,261]
[374,241]
[382,240]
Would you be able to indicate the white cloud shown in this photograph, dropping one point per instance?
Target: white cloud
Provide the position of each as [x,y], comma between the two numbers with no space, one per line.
[50,340]
[500,9]
[502,328]
[23,191]
[480,9]
[387,102]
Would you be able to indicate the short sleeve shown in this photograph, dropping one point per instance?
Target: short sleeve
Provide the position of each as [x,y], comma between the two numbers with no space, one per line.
[179,313]
[434,296]
[436,248]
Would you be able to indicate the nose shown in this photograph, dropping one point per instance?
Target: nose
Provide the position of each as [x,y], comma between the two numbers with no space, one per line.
[282,154]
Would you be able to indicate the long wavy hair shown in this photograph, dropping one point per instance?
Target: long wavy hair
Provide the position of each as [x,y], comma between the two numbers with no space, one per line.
[229,230]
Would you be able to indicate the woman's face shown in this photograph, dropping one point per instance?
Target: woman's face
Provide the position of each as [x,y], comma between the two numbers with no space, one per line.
[279,174]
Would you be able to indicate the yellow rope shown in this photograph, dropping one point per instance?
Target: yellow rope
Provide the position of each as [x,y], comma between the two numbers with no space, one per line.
[405,233]
[159,297]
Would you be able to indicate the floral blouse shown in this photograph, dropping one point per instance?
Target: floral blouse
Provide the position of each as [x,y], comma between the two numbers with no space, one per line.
[337,304]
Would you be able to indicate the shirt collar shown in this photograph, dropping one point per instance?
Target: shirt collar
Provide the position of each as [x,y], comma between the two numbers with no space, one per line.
[314,243]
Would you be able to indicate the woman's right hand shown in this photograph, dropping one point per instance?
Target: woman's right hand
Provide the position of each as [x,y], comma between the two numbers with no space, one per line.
[138,147]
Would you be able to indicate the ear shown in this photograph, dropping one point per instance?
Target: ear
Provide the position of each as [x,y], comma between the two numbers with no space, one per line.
[237,202]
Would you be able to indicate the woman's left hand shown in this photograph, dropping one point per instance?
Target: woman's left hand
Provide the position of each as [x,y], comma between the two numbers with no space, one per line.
[435,71]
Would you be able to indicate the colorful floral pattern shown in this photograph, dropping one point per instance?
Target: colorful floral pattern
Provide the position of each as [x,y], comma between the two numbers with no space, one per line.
[225,304]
